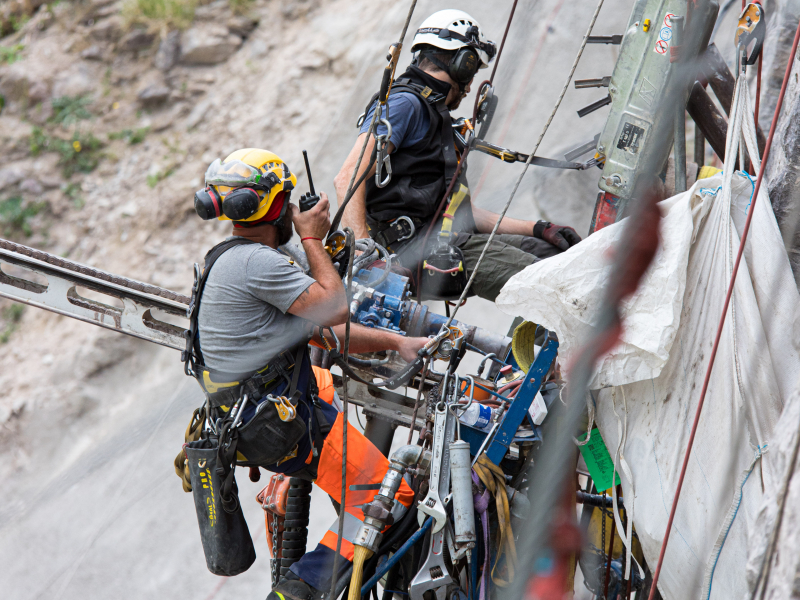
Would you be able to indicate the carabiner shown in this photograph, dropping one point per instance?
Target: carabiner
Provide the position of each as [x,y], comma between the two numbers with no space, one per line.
[382,158]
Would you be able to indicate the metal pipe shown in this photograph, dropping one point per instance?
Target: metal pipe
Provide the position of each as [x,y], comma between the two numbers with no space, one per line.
[699,146]
[380,433]
[708,118]
[599,500]
[396,556]
[679,138]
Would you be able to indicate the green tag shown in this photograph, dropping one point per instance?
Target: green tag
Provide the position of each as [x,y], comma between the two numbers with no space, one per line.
[597,458]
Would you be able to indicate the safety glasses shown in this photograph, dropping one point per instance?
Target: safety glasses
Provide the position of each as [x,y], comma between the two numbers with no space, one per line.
[235,173]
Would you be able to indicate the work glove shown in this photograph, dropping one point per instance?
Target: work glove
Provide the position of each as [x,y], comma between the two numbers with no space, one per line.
[561,236]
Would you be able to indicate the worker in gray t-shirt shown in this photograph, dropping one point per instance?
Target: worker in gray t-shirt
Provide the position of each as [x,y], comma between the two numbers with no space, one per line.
[257,313]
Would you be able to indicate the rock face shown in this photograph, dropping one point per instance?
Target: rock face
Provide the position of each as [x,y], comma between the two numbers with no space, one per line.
[153,95]
[782,176]
[138,39]
[169,51]
[208,45]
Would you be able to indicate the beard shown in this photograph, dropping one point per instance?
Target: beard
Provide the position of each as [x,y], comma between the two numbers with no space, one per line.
[459,97]
[286,231]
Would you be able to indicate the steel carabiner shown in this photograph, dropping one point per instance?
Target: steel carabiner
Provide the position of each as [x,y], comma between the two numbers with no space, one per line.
[382,158]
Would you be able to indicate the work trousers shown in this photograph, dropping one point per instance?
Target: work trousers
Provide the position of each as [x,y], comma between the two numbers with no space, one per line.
[506,256]
[365,465]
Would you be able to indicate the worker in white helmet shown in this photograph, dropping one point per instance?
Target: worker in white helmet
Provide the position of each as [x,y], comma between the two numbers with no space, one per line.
[424,149]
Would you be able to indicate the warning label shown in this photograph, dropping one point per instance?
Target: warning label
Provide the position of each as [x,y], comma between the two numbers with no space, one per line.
[664,35]
[631,138]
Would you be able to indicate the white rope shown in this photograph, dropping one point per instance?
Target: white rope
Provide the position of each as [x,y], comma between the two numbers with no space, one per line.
[619,458]
[527,164]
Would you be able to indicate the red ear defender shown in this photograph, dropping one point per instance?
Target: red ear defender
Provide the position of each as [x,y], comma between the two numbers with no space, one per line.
[207,203]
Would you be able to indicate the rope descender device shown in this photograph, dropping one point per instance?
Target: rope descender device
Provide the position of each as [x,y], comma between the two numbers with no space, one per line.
[286,411]
[749,36]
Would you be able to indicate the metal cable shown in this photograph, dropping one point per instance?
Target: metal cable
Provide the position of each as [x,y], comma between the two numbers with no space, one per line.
[722,320]
[527,164]
[422,376]
[350,187]
[351,239]
[346,346]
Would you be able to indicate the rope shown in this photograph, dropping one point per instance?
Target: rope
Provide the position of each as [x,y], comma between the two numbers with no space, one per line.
[463,160]
[527,163]
[715,347]
[422,376]
[346,347]
[394,54]
[345,407]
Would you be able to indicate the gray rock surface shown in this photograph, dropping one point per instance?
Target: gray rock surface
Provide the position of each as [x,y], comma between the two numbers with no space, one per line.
[208,45]
[93,52]
[169,51]
[782,176]
[153,95]
[136,40]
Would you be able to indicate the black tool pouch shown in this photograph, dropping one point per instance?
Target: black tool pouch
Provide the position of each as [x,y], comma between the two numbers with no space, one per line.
[226,539]
[265,439]
[444,274]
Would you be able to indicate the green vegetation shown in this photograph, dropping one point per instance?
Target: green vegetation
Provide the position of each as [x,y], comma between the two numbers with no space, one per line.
[15,215]
[177,13]
[73,191]
[68,110]
[81,153]
[240,6]
[11,54]
[12,316]
[152,180]
[132,136]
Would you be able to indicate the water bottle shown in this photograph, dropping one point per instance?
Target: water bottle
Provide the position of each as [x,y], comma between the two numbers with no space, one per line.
[477,415]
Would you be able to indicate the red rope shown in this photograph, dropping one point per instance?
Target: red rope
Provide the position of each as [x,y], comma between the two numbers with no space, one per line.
[724,312]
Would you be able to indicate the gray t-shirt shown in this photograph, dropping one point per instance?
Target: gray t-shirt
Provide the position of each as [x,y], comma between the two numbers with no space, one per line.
[243,321]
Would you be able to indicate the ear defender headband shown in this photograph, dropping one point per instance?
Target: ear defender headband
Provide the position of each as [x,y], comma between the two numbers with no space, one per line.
[207,203]
[462,67]
[244,200]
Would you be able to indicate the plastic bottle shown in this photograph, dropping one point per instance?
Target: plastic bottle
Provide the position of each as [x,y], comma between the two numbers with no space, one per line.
[477,415]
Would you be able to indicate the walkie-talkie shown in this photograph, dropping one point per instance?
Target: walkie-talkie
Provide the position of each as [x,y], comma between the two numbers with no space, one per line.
[308,200]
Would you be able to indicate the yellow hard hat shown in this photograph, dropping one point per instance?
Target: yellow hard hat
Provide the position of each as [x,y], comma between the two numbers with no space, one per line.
[245,186]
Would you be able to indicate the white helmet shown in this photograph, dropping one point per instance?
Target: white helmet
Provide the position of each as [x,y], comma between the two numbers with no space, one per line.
[453,29]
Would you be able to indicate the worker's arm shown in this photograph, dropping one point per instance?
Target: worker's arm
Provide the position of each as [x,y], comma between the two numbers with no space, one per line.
[561,236]
[324,302]
[355,213]
[485,220]
[366,339]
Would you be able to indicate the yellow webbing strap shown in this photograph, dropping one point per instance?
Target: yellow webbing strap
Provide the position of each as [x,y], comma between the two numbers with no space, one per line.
[706,172]
[493,478]
[455,201]
[192,435]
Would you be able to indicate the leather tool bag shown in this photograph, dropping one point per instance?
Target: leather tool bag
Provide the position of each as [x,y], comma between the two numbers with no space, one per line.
[227,544]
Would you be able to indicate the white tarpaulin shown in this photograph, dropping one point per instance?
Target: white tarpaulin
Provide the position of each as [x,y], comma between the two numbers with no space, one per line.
[658,371]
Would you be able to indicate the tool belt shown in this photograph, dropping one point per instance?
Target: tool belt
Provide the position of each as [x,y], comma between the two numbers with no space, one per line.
[393,232]
[223,390]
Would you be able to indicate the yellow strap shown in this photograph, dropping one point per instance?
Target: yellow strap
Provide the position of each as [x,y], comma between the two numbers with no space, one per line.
[706,172]
[455,201]
[493,478]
